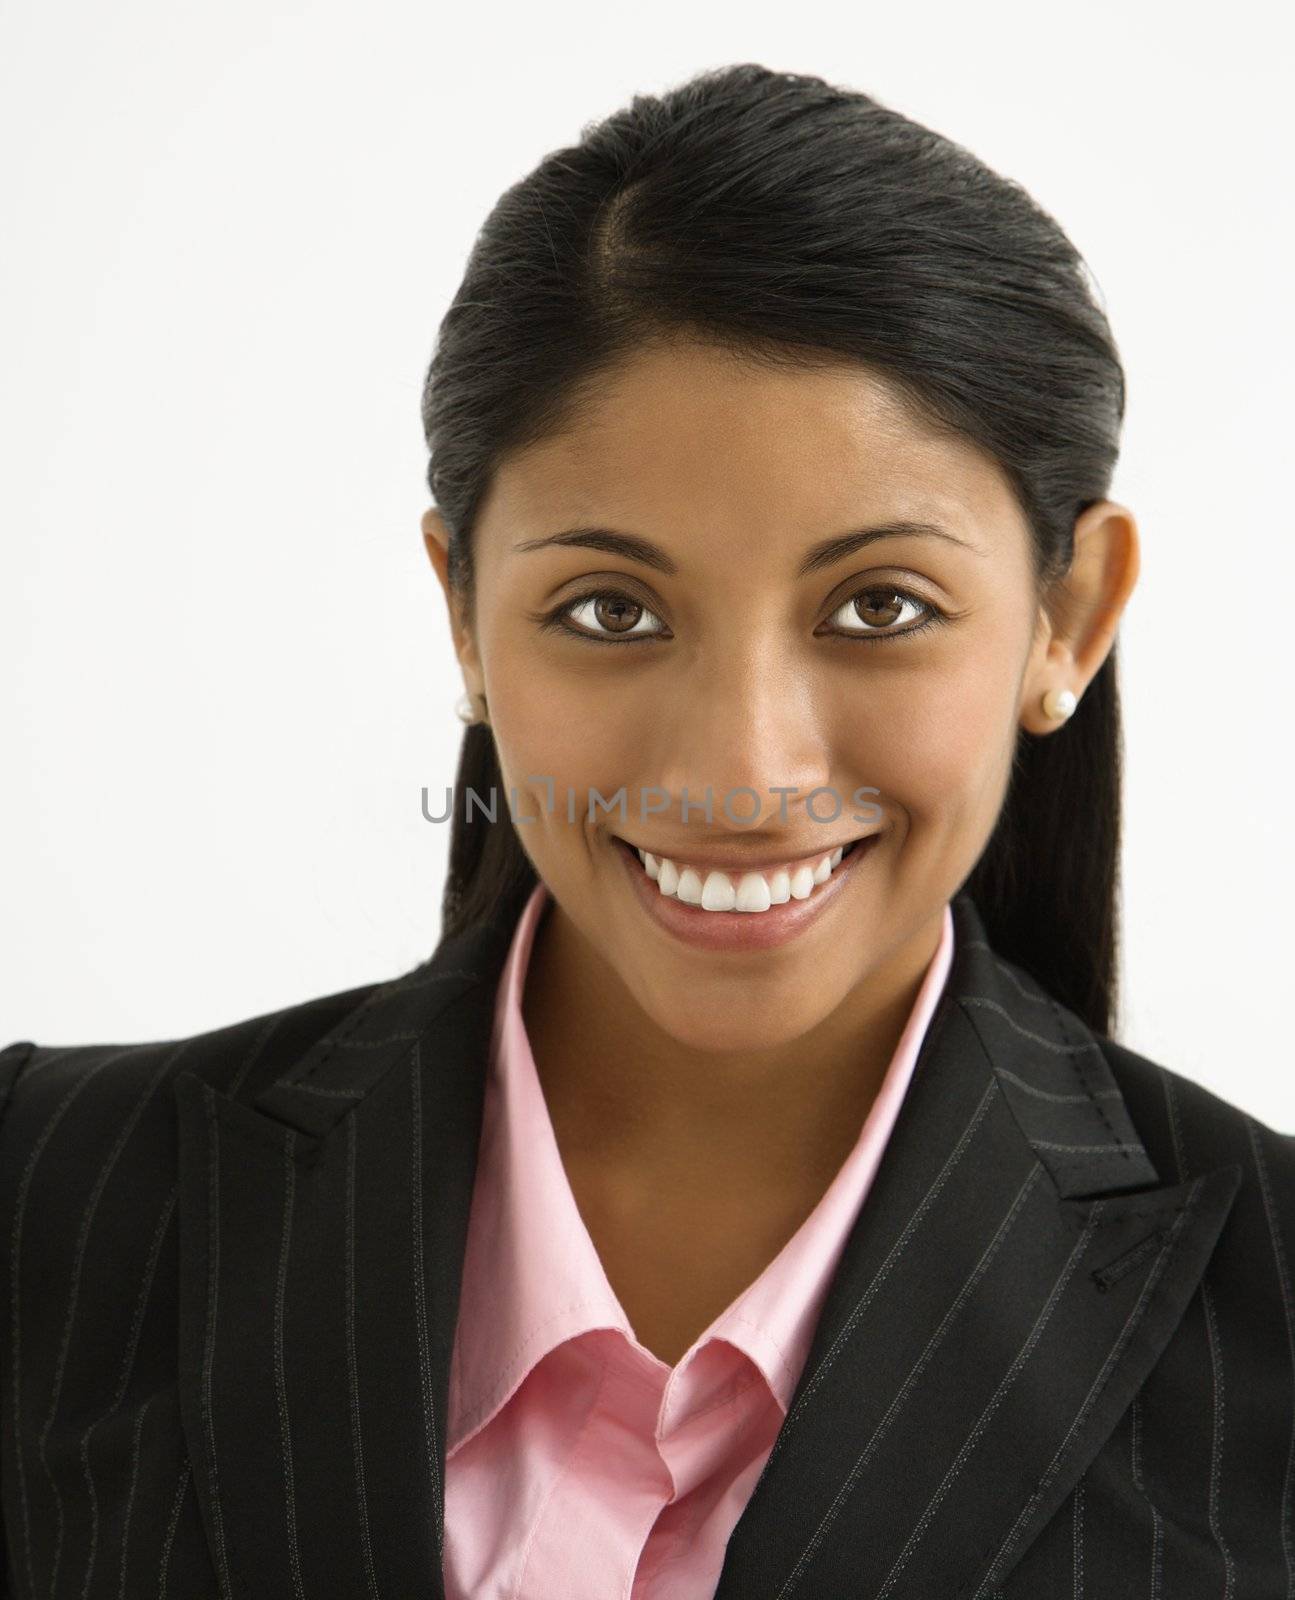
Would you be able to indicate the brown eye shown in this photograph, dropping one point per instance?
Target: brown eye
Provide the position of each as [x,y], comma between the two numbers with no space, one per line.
[878,610]
[879,607]
[617,613]
[607,615]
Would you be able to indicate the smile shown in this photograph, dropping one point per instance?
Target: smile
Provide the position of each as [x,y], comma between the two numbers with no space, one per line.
[714,889]
[703,905]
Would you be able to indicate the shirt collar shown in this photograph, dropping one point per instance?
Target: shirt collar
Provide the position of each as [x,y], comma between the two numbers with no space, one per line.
[532,1278]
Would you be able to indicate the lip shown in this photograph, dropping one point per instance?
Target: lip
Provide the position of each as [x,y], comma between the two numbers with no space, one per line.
[739,931]
[737,864]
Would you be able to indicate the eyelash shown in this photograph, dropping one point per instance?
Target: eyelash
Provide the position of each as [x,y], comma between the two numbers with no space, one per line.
[555,619]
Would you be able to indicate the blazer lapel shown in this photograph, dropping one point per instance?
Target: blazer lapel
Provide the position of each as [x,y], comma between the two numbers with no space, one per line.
[1012,1278]
[322,1231]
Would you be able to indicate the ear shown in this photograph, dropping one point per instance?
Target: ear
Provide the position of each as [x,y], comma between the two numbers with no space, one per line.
[1081,613]
[436,539]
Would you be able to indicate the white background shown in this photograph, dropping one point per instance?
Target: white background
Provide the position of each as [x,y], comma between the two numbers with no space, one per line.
[230,232]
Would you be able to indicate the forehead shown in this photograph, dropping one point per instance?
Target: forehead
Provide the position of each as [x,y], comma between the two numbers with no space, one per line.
[684,439]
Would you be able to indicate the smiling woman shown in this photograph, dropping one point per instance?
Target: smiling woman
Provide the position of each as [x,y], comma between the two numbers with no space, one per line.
[906,655]
[749,1196]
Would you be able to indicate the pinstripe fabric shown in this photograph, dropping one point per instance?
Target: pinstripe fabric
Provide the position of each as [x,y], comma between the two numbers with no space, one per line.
[1057,1358]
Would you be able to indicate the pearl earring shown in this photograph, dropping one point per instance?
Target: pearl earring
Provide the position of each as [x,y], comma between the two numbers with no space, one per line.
[1059,703]
[465,710]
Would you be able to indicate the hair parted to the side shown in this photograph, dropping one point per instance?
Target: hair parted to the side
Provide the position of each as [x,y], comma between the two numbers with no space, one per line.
[792,222]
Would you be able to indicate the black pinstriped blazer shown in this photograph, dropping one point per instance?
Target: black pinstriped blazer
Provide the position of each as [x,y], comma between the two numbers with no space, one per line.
[1057,1358]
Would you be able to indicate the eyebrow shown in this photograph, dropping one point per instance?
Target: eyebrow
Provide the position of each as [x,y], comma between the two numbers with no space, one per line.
[632,547]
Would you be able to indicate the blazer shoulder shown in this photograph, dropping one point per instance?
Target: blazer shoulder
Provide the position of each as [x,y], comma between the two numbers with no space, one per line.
[1188,1130]
[1231,1361]
[61,1105]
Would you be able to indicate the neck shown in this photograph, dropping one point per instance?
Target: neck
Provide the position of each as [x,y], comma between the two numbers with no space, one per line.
[641,1110]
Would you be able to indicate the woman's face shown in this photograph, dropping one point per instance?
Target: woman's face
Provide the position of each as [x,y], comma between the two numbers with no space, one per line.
[731,654]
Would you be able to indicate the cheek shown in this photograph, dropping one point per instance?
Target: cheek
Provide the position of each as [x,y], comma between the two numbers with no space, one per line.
[563,728]
[556,724]
[940,749]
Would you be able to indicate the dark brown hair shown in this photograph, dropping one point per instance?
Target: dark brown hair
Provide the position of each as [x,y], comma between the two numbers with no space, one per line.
[791,221]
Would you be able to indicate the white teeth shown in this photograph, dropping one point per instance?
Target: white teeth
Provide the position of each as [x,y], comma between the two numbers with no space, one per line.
[802,883]
[753,892]
[689,889]
[718,893]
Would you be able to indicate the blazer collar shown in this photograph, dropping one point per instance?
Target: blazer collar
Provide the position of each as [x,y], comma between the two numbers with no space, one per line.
[1010,1282]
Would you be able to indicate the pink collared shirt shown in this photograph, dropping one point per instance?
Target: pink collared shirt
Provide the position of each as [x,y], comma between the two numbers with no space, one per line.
[578,1465]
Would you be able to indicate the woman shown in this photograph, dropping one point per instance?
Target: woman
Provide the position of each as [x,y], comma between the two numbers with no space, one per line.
[748,1197]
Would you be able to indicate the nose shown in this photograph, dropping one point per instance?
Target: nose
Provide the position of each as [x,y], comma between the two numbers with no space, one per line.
[745,721]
